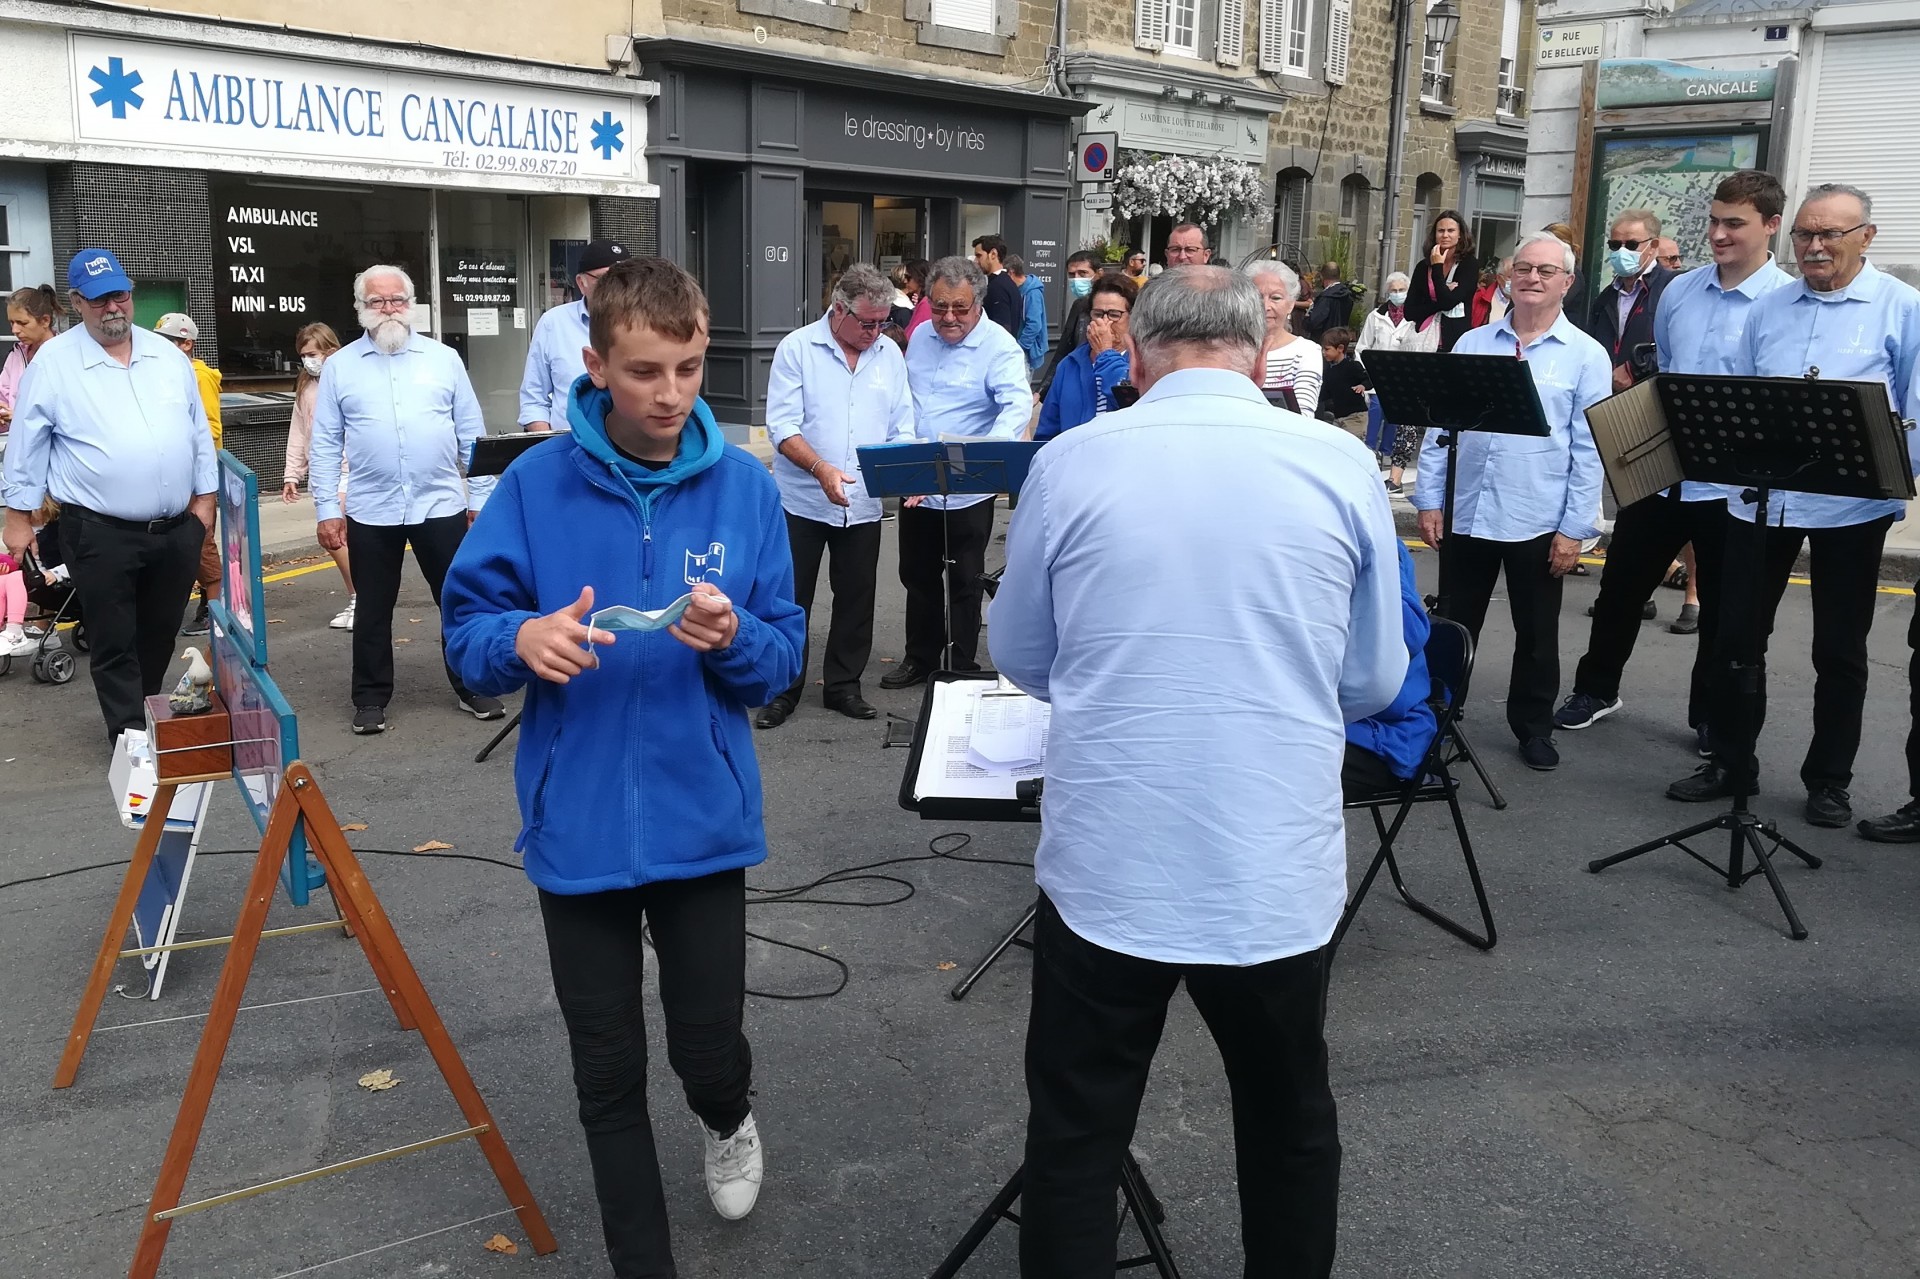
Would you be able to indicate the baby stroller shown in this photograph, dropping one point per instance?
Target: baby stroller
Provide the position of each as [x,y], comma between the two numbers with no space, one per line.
[49,603]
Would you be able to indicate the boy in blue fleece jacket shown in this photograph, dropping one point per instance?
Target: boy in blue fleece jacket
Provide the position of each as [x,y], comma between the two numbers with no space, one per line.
[639,792]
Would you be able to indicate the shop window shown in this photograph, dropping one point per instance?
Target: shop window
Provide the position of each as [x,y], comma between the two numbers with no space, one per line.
[1496,219]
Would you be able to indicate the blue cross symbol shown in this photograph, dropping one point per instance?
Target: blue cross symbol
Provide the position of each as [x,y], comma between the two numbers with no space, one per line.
[606,135]
[117,85]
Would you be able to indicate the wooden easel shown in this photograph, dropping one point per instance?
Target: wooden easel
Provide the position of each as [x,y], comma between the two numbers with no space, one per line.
[299,801]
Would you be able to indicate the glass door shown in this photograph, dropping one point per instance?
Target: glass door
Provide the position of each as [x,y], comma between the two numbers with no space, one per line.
[899,231]
[837,237]
[484,296]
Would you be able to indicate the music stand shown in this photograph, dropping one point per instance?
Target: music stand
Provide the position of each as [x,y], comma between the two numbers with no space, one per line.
[492,455]
[1759,434]
[946,468]
[1451,393]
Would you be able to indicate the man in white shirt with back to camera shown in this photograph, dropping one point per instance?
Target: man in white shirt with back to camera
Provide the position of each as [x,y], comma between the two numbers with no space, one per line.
[1202,666]
[836,386]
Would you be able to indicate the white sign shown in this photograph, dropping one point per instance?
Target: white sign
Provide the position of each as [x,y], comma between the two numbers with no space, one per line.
[519,317]
[1562,46]
[483,322]
[1098,201]
[193,98]
[1182,129]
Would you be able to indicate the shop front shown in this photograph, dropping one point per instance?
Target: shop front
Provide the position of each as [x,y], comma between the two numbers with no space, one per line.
[246,178]
[776,174]
[1493,177]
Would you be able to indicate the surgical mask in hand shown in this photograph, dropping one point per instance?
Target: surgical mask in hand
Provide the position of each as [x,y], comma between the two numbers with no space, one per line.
[1398,298]
[621,618]
[1625,262]
[1079,288]
[312,363]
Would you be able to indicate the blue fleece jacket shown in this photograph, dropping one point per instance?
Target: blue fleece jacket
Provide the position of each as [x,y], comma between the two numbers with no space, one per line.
[1402,733]
[642,769]
[1033,322]
[1082,386]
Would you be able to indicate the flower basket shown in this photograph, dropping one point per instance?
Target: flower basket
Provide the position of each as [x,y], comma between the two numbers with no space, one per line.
[1203,189]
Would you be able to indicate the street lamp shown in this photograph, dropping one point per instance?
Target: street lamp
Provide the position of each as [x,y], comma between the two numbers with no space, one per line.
[1443,24]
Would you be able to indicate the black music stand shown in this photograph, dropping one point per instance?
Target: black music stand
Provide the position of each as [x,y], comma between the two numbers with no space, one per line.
[1142,1206]
[1451,393]
[492,455]
[946,468]
[1761,434]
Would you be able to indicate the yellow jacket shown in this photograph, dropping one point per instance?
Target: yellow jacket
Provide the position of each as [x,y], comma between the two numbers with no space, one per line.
[209,379]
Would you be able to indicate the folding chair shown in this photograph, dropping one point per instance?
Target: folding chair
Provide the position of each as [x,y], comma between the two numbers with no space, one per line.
[1450,663]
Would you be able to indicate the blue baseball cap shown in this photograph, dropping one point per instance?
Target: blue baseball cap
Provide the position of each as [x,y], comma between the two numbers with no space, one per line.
[95,272]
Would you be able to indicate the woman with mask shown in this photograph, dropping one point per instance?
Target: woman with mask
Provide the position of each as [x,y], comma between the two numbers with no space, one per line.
[1386,327]
[33,316]
[313,345]
[1443,284]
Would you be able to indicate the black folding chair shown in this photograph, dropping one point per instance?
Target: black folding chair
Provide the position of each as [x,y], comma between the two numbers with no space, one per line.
[1450,663]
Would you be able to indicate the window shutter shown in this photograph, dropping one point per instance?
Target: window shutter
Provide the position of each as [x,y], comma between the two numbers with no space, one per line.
[1293,216]
[1150,24]
[1273,35]
[1230,47]
[965,15]
[1339,37]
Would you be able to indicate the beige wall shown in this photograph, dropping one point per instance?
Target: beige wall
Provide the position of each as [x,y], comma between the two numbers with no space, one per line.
[878,34]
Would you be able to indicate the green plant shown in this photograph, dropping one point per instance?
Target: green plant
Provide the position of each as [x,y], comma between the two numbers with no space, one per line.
[1340,248]
[1108,250]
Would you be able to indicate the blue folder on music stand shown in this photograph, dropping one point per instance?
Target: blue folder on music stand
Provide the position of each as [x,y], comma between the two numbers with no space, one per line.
[922,469]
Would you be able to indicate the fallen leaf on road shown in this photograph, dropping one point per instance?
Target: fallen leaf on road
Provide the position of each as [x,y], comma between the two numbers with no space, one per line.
[354,826]
[502,1244]
[413,619]
[275,621]
[946,965]
[432,846]
[403,640]
[378,1080]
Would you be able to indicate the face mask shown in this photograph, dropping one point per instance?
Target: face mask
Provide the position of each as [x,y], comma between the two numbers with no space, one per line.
[1079,288]
[312,363]
[1625,262]
[1398,298]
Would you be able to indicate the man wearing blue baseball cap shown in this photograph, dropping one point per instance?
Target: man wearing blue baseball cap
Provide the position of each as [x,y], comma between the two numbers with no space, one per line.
[110,425]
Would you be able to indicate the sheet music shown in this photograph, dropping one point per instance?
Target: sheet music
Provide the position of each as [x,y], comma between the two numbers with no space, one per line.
[1009,731]
[947,770]
[1636,448]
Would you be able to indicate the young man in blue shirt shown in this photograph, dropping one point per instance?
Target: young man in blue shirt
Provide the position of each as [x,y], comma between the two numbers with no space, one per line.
[638,789]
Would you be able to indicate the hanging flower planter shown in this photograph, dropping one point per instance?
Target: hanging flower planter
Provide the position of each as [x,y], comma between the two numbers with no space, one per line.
[1206,190]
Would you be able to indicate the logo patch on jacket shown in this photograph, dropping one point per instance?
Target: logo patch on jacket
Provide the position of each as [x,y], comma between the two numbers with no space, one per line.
[706,567]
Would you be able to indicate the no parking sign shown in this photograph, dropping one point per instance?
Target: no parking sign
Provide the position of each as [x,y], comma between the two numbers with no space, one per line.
[1093,156]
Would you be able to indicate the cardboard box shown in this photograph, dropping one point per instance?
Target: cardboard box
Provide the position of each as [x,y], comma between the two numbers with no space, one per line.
[131,778]
[190,748]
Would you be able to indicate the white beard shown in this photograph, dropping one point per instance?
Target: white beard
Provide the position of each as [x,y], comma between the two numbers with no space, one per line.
[390,334]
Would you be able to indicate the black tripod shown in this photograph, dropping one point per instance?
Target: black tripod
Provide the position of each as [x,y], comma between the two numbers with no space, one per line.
[1028,793]
[1141,1205]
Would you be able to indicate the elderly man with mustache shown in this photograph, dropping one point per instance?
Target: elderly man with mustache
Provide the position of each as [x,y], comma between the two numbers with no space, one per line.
[398,408]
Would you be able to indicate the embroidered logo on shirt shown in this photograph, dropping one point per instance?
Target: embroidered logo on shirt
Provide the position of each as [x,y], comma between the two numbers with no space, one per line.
[706,567]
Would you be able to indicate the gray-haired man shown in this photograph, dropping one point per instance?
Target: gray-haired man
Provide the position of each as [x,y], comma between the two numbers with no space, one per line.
[835,387]
[968,379]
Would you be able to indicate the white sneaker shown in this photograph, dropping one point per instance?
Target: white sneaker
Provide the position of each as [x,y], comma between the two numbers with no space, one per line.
[733,1169]
[343,620]
[15,642]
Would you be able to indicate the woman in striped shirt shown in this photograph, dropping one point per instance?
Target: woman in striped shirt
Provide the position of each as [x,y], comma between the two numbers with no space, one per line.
[1288,360]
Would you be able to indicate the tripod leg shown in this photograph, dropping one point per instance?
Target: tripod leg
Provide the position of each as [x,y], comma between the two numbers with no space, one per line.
[1141,1200]
[498,737]
[1012,938]
[1672,838]
[1795,929]
[1781,841]
[1472,756]
[982,1226]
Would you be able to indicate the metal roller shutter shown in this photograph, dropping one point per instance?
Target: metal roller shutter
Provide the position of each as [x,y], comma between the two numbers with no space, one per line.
[1864,109]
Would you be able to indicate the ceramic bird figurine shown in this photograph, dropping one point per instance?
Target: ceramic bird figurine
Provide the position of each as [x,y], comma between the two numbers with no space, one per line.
[194,693]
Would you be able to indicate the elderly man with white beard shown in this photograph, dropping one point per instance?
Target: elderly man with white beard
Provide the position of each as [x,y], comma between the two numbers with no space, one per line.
[399,410]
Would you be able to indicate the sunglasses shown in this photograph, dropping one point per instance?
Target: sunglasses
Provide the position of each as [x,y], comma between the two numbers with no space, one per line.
[866,326]
[950,308]
[1627,244]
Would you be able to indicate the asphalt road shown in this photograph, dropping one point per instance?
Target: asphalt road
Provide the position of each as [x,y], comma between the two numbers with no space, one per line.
[1645,1078]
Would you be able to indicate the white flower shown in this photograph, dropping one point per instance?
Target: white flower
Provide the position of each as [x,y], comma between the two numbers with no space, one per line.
[1205,190]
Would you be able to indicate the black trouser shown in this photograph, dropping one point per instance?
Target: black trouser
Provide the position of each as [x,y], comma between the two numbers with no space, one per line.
[1533,597]
[1095,1023]
[133,589]
[1913,698]
[1363,773]
[377,552]
[852,572]
[967,532]
[699,936]
[1844,564]
[1647,537]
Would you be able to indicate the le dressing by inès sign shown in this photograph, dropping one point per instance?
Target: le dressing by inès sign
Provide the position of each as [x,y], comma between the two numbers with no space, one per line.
[196,98]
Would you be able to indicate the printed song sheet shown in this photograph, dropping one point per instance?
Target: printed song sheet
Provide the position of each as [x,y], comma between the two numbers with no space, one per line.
[981,741]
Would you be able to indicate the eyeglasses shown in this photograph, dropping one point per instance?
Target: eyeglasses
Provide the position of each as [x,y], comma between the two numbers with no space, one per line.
[1626,244]
[866,326]
[1119,314]
[1521,270]
[1184,251]
[389,304]
[120,298]
[1806,238]
[950,308]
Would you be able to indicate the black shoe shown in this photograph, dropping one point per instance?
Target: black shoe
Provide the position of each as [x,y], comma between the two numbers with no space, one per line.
[1708,782]
[853,706]
[905,675]
[1828,806]
[480,707]
[199,624]
[369,719]
[1538,754]
[1901,827]
[1688,623]
[1583,710]
[1703,741]
[775,713]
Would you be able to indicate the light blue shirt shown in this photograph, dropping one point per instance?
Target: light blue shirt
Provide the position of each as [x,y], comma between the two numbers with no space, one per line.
[1206,589]
[1699,327]
[975,388]
[1513,488]
[130,441]
[554,364]
[1866,332]
[813,394]
[404,423]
